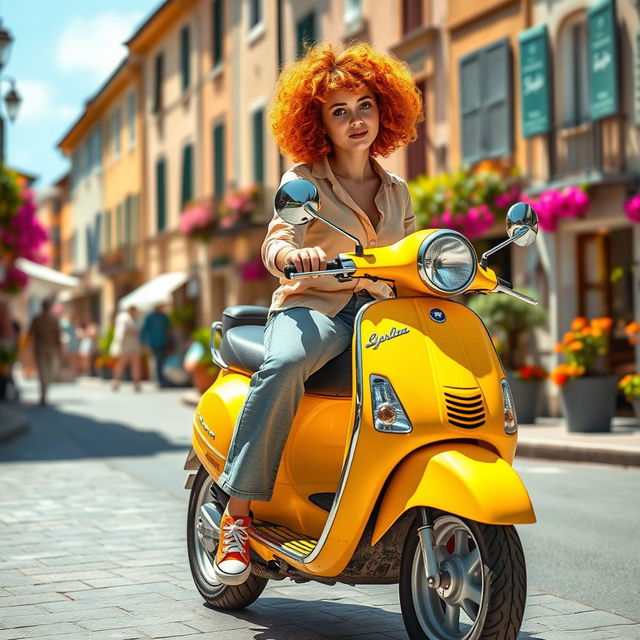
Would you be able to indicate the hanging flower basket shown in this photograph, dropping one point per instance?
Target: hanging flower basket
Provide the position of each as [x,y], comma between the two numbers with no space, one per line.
[199,219]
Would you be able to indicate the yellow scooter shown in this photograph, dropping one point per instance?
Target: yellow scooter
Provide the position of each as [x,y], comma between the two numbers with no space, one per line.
[398,464]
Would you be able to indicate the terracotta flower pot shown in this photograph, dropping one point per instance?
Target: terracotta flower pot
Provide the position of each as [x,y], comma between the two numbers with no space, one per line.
[526,395]
[201,377]
[589,403]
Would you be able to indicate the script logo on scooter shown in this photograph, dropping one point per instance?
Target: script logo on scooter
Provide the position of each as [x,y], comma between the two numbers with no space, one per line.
[203,424]
[437,315]
[375,340]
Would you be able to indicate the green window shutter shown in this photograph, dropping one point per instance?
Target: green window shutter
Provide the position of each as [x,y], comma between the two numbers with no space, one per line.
[218,161]
[470,108]
[107,231]
[119,226]
[127,221]
[258,146]
[306,34]
[217,31]
[603,59]
[496,99]
[161,200]
[535,81]
[158,79]
[187,175]
[185,48]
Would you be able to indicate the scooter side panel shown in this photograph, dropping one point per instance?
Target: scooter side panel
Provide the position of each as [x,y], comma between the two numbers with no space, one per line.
[477,484]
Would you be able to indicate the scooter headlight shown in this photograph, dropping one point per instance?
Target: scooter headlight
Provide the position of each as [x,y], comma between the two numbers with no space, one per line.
[447,262]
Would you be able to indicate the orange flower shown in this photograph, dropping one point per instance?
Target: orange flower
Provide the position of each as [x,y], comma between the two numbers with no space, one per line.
[576,345]
[559,348]
[602,323]
[632,327]
[578,324]
[559,378]
[568,337]
[633,341]
[625,380]
[588,331]
[596,333]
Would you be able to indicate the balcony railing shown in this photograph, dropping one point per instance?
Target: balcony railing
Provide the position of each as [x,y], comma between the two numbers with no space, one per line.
[118,261]
[588,148]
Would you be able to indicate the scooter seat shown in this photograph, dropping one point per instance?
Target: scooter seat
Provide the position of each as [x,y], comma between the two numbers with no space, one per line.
[242,348]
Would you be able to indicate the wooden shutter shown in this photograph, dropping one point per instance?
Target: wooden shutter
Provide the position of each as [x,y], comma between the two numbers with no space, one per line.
[217,30]
[258,146]
[107,231]
[158,78]
[185,56]
[411,15]
[218,161]
[306,33]
[417,150]
[161,201]
[127,221]
[187,175]
[470,108]
[497,138]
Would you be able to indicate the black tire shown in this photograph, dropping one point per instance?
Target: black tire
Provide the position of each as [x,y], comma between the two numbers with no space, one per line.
[504,584]
[217,595]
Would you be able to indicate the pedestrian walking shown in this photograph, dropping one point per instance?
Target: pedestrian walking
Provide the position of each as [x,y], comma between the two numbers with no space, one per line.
[44,333]
[87,346]
[126,347]
[155,335]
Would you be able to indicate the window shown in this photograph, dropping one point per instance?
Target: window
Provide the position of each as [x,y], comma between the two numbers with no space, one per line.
[186,194]
[161,199]
[128,221]
[258,145]
[486,103]
[107,235]
[76,169]
[86,157]
[575,72]
[158,78]
[96,149]
[131,118]
[119,226]
[117,131]
[417,150]
[218,161]
[411,15]
[255,13]
[306,34]
[353,14]
[185,57]
[97,237]
[217,31]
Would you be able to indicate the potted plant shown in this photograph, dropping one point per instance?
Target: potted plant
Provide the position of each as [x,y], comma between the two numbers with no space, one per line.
[197,360]
[630,386]
[511,321]
[105,362]
[586,392]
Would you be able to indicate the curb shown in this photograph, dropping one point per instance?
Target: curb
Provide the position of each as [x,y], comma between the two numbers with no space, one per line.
[574,452]
[12,423]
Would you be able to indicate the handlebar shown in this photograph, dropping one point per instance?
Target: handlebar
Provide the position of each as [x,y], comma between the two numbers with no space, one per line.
[332,265]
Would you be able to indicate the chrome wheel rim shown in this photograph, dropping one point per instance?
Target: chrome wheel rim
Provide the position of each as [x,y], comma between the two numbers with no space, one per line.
[450,613]
[206,537]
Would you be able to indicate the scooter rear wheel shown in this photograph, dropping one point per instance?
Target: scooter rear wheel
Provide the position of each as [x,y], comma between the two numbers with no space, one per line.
[486,594]
[201,546]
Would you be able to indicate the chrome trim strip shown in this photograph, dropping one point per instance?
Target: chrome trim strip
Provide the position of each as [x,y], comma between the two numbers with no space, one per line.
[215,354]
[424,245]
[354,439]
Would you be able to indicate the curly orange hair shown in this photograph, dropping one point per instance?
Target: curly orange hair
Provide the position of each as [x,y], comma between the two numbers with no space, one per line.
[303,86]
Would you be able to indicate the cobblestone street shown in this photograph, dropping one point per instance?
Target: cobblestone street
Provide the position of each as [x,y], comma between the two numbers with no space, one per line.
[90,551]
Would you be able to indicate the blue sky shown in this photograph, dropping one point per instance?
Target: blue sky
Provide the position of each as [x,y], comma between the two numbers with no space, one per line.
[62,53]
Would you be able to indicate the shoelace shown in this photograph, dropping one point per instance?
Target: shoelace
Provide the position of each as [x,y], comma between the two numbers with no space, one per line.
[235,538]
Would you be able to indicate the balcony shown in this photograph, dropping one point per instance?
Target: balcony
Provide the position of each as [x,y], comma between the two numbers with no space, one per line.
[588,151]
[118,261]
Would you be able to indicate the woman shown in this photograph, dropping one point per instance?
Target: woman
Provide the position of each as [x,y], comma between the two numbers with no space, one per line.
[126,347]
[332,113]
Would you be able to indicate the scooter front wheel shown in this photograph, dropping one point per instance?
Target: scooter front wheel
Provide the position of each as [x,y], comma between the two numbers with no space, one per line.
[483,592]
[202,543]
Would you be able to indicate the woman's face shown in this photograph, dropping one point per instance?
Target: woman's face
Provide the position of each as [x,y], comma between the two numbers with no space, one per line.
[351,118]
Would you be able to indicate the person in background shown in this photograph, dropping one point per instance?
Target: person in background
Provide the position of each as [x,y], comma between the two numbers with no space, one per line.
[87,346]
[70,342]
[126,347]
[44,333]
[155,335]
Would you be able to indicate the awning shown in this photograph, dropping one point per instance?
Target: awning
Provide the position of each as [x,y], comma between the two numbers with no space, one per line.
[154,292]
[44,281]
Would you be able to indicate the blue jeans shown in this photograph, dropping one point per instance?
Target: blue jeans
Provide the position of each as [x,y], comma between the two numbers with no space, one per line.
[159,357]
[298,342]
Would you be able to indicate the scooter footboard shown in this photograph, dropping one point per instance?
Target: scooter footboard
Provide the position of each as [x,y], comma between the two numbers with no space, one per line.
[464,479]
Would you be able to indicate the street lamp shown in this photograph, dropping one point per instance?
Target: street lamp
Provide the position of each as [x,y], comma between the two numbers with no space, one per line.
[12,99]
[6,41]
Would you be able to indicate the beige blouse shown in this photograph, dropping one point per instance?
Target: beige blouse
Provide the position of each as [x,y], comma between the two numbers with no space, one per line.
[325,293]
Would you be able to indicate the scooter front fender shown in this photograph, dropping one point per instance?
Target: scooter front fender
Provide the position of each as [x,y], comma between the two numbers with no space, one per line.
[460,478]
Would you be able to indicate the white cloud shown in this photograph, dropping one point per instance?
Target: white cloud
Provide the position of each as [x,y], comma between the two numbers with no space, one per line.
[94,44]
[39,103]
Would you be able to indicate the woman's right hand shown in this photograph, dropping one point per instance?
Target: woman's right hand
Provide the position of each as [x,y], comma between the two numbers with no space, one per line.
[305,259]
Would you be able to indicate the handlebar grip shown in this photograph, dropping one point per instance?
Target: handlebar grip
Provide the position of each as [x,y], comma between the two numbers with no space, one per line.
[333,264]
[289,269]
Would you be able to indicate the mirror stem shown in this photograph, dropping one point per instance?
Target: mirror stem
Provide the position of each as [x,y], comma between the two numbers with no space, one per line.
[518,234]
[308,207]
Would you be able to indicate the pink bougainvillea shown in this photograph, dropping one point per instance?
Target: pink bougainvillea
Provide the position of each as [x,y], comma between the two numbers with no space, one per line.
[632,208]
[553,206]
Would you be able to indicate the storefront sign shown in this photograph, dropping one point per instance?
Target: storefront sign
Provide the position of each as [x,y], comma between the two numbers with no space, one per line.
[603,59]
[534,81]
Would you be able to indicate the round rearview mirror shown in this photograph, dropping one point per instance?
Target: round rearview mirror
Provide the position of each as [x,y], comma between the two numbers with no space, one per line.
[522,216]
[291,200]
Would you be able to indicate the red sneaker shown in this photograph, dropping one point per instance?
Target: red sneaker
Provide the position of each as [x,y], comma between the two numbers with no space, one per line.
[232,564]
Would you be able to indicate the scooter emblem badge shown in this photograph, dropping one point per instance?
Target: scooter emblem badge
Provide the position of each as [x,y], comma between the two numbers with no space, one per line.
[437,315]
[375,340]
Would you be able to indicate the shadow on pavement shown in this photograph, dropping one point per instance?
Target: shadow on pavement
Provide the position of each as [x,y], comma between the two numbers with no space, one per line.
[279,614]
[55,435]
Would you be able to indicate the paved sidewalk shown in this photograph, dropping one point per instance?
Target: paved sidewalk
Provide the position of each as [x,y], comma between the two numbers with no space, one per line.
[89,553]
[12,421]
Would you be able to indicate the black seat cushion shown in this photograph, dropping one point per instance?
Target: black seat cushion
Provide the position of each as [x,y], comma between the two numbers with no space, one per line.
[242,348]
[243,314]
